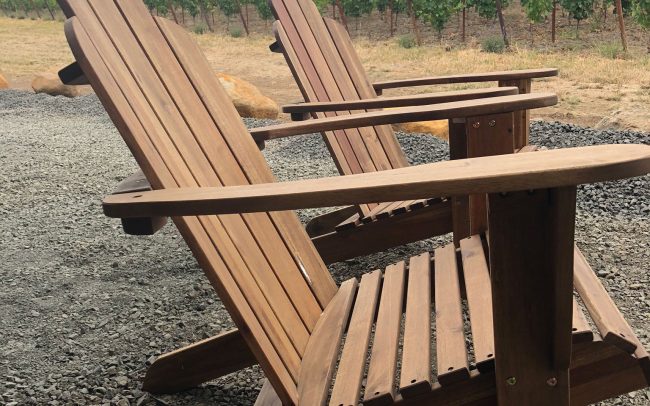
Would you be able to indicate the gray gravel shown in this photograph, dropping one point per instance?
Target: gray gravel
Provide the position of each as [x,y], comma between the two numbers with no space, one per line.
[84,308]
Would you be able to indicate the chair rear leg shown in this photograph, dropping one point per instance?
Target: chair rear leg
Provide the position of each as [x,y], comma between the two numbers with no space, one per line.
[200,362]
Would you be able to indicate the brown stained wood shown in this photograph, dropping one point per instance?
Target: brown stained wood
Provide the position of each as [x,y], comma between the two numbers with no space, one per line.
[337,141]
[368,136]
[609,320]
[459,204]
[380,382]
[361,82]
[399,101]
[186,117]
[352,365]
[479,301]
[267,396]
[303,39]
[531,265]
[600,370]
[522,118]
[73,75]
[581,330]
[442,111]
[486,135]
[469,78]
[378,236]
[326,223]
[450,335]
[320,357]
[228,169]
[416,351]
[493,174]
[197,363]
[139,226]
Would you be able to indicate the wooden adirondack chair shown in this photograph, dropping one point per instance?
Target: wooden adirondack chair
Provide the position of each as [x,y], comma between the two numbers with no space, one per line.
[333,82]
[291,317]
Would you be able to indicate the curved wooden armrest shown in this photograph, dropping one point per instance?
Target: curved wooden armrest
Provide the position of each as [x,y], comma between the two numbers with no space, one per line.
[399,101]
[468,78]
[470,108]
[492,174]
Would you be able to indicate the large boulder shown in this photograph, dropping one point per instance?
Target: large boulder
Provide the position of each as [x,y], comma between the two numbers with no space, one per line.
[50,83]
[437,128]
[248,100]
[3,82]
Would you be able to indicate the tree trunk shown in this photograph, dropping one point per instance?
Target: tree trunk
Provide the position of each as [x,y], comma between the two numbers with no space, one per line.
[170,7]
[502,24]
[204,13]
[463,32]
[553,21]
[344,19]
[414,23]
[38,12]
[49,8]
[243,19]
[621,23]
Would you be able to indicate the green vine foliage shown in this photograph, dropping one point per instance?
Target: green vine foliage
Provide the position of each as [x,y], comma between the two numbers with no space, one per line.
[578,9]
[436,12]
[537,10]
[487,8]
[641,13]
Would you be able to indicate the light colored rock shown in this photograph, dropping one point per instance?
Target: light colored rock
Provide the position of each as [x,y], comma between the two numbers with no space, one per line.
[248,100]
[3,82]
[50,83]
[437,128]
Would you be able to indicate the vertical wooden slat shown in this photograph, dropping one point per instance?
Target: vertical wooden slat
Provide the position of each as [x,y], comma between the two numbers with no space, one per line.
[347,386]
[522,118]
[320,357]
[416,353]
[126,111]
[380,385]
[479,300]
[487,135]
[531,265]
[581,330]
[217,103]
[450,336]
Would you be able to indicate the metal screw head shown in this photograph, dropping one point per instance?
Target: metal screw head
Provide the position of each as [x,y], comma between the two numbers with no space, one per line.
[512,381]
[492,123]
[476,124]
[552,381]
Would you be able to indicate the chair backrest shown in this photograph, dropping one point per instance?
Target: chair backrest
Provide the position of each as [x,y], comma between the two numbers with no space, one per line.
[327,68]
[183,130]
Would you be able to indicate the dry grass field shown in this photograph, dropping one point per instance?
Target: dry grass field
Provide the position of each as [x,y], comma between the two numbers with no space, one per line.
[593,85]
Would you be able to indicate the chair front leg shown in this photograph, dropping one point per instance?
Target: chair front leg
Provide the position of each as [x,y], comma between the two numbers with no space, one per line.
[531,269]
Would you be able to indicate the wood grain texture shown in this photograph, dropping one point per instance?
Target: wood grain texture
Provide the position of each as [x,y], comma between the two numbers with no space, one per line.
[450,335]
[609,320]
[400,101]
[442,111]
[380,383]
[200,362]
[479,301]
[468,78]
[352,365]
[495,174]
[531,266]
[416,351]
[320,358]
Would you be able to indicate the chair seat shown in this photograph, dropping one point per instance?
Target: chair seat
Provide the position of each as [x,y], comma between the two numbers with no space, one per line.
[373,342]
[385,210]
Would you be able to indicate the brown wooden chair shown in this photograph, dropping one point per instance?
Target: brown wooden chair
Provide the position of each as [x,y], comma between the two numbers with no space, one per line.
[333,83]
[291,317]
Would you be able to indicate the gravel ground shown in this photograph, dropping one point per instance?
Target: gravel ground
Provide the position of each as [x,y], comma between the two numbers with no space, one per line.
[84,308]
